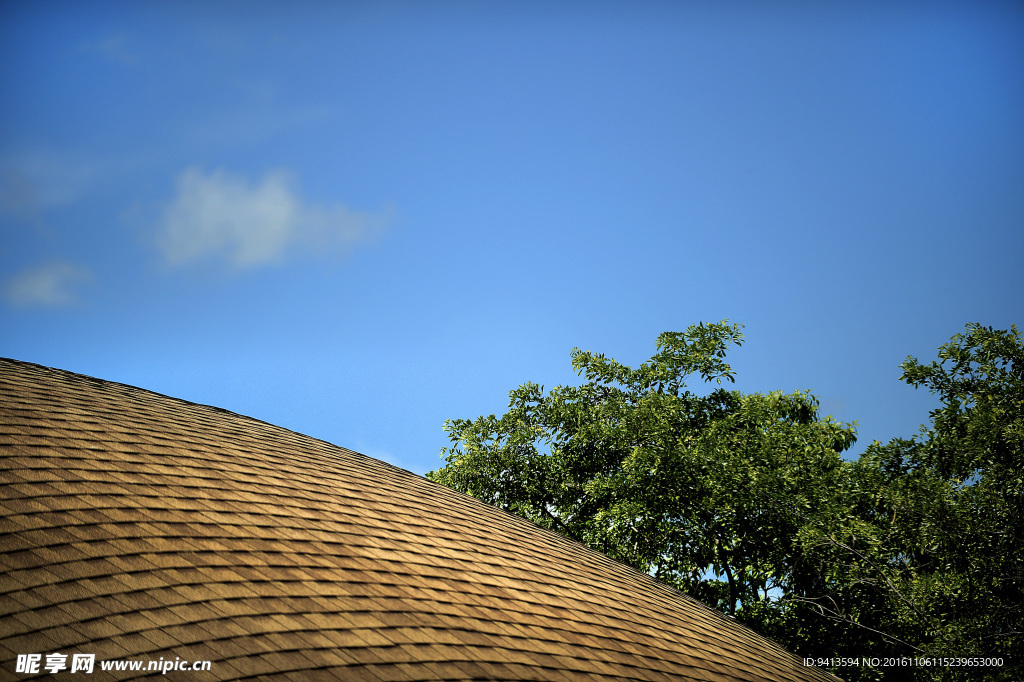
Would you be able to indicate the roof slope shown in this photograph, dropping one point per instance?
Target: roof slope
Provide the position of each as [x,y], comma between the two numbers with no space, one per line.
[137,526]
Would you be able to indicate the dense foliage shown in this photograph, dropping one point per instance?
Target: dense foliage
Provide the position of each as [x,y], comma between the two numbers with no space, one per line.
[744,500]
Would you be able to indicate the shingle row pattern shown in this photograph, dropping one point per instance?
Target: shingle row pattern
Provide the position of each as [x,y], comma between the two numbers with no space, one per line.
[138,526]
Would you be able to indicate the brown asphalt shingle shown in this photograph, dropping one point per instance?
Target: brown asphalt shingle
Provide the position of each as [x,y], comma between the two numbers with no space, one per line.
[133,525]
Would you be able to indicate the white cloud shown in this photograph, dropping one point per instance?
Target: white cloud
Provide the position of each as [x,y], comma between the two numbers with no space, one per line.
[220,215]
[49,285]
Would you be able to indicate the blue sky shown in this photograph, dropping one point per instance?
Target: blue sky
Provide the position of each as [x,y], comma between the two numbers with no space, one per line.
[357,220]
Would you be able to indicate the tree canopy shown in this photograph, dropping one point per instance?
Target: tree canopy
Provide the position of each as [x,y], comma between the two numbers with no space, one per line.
[926,541]
[744,500]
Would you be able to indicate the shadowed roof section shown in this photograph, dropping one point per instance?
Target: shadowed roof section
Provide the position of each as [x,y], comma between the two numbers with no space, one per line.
[138,526]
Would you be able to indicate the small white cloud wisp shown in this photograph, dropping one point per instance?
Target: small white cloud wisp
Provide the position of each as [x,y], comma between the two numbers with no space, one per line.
[221,216]
[48,286]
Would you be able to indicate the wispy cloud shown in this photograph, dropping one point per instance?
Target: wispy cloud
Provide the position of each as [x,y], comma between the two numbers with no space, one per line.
[42,179]
[258,116]
[113,47]
[220,215]
[47,286]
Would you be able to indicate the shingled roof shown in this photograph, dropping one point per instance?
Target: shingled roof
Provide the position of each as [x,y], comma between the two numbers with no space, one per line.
[134,526]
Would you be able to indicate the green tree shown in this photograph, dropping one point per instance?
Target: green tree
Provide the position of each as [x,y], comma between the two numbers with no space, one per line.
[930,554]
[705,492]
